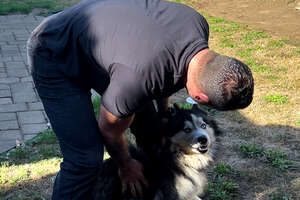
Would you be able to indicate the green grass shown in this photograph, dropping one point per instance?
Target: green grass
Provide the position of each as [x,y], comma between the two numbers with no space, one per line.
[41,147]
[280,197]
[278,159]
[36,158]
[223,169]
[227,42]
[96,105]
[262,68]
[271,77]
[221,186]
[26,6]
[251,151]
[297,51]
[251,62]
[249,37]
[275,98]
[186,106]
[221,190]
[276,43]
[248,52]
[281,69]
[274,158]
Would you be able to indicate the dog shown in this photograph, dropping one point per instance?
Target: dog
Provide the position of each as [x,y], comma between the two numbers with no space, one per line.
[174,149]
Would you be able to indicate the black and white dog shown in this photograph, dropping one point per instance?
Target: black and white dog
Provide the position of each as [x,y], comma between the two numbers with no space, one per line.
[174,150]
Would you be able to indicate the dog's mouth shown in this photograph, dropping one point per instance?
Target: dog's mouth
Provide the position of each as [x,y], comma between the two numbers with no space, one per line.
[203,149]
[200,148]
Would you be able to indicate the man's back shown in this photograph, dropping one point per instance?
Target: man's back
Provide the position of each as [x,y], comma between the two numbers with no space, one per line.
[130,32]
[146,43]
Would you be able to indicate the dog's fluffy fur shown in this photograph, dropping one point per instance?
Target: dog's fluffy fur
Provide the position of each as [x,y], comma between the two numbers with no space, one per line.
[173,155]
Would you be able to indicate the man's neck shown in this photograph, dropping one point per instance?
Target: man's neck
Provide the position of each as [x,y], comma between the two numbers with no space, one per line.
[196,65]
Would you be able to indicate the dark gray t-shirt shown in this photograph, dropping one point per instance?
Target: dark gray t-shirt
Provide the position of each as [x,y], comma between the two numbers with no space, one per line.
[143,47]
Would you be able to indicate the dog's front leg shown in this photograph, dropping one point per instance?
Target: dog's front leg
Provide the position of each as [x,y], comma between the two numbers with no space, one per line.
[197,198]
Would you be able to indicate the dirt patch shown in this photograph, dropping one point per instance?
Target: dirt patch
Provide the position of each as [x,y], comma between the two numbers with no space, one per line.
[278,17]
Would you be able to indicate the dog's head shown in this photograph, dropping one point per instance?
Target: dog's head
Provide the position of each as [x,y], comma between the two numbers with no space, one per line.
[190,131]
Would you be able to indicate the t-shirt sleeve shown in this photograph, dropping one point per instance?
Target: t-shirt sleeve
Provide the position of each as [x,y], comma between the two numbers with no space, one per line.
[126,93]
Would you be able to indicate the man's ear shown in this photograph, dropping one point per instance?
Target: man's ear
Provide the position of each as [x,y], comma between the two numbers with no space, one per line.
[201,97]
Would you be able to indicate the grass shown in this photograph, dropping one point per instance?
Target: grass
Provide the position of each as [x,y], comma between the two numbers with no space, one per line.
[274,158]
[252,151]
[222,169]
[249,37]
[221,190]
[35,160]
[26,6]
[276,43]
[185,106]
[221,186]
[43,146]
[96,104]
[275,98]
[280,197]
[261,69]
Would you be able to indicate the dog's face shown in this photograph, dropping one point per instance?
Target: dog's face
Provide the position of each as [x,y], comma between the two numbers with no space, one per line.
[194,133]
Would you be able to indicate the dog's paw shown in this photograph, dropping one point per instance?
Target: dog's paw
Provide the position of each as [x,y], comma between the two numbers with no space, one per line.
[197,198]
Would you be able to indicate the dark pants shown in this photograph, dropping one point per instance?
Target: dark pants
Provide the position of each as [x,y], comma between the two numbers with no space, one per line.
[67,102]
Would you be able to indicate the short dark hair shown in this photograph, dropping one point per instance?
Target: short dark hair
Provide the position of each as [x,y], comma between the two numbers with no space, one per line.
[227,82]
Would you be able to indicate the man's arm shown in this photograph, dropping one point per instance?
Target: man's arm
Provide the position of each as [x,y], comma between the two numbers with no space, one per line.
[113,131]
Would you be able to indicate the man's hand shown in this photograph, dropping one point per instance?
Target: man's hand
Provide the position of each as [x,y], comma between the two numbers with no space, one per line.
[132,176]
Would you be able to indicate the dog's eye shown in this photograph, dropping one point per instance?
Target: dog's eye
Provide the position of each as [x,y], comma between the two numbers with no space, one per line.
[187,130]
[203,126]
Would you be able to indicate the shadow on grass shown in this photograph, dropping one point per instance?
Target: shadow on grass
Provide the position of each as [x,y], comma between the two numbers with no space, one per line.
[39,189]
[272,175]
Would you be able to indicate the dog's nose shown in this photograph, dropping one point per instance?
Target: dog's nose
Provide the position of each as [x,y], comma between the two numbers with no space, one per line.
[202,140]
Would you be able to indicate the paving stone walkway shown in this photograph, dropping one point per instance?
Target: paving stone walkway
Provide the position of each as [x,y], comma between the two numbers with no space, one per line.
[21,112]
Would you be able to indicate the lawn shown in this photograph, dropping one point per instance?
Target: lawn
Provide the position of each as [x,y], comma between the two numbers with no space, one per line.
[259,153]
[44,7]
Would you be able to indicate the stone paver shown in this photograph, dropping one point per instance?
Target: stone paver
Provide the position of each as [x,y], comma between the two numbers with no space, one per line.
[21,113]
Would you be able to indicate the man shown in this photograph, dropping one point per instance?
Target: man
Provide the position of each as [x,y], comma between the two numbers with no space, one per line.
[131,52]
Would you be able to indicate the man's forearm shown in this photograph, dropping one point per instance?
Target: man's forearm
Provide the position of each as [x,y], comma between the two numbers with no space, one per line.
[113,131]
[117,147]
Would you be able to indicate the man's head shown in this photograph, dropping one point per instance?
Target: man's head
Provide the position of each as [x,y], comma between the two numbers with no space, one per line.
[222,82]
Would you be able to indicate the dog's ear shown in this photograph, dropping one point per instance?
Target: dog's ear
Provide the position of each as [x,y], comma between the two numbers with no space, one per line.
[176,108]
[172,110]
[195,107]
[197,110]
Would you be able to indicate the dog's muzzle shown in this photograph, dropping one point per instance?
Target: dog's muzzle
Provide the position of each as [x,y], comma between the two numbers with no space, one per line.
[202,145]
